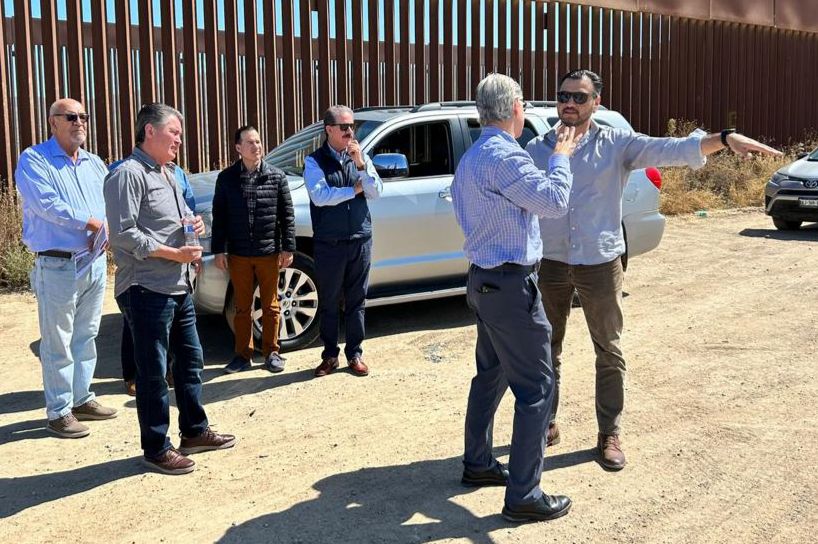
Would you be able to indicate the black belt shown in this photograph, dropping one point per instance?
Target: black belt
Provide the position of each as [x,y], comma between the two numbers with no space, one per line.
[514,267]
[56,253]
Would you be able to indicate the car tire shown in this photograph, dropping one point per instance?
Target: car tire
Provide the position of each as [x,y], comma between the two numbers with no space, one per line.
[785,224]
[298,302]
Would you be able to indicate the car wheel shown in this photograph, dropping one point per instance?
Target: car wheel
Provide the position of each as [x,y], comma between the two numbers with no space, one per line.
[784,224]
[298,301]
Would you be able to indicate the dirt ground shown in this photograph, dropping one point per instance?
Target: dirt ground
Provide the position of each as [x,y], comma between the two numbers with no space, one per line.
[719,426]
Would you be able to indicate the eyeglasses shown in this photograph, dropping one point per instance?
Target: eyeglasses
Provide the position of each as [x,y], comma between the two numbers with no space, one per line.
[525,103]
[579,98]
[72,117]
[344,126]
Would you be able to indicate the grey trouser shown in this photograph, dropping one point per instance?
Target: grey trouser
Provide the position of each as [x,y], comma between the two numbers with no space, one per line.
[600,292]
[513,343]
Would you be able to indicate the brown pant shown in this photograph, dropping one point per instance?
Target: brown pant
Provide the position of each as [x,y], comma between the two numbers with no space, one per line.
[245,272]
[600,293]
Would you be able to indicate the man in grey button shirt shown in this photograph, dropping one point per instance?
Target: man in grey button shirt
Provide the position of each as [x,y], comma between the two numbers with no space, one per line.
[582,250]
[145,208]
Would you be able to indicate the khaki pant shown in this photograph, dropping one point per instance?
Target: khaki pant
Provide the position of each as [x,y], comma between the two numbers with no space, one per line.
[600,293]
[245,272]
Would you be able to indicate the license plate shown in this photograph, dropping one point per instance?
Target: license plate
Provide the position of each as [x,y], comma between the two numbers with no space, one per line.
[808,202]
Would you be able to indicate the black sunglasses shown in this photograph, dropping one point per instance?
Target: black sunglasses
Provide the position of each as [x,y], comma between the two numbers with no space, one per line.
[72,117]
[579,98]
[344,126]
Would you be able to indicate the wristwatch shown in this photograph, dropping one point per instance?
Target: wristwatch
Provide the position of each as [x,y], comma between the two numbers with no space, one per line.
[724,133]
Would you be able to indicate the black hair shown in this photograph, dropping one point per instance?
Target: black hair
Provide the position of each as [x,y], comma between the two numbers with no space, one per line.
[579,74]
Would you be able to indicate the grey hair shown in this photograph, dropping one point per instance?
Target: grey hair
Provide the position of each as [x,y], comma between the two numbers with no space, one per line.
[496,95]
[155,114]
[332,113]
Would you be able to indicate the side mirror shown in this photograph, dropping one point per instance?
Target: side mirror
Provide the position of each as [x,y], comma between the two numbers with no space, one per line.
[801,155]
[391,165]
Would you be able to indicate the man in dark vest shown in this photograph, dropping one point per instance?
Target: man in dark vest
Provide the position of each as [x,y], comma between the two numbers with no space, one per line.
[340,179]
[253,237]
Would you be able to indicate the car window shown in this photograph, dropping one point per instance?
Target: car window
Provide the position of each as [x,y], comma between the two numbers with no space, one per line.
[813,156]
[427,146]
[291,154]
[475,129]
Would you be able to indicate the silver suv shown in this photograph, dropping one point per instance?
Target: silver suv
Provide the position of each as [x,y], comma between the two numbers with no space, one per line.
[417,244]
[791,196]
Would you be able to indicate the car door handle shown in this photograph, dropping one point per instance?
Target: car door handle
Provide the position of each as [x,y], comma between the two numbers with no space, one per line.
[446,193]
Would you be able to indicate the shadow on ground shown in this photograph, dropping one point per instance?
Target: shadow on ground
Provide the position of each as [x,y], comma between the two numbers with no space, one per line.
[804,234]
[416,502]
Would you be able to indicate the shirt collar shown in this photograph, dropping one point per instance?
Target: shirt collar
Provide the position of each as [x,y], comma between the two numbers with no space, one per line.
[56,150]
[339,156]
[592,131]
[491,130]
[145,159]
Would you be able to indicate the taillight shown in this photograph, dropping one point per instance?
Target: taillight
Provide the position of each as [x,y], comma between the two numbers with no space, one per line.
[654,176]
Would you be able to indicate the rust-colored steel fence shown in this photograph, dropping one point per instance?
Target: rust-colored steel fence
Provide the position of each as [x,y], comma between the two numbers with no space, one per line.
[293,58]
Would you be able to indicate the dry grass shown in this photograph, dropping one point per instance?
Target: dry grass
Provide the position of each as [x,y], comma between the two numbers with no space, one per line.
[727,181]
[15,260]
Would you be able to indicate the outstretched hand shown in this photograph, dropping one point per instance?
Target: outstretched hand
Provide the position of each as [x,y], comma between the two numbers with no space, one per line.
[743,146]
[567,140]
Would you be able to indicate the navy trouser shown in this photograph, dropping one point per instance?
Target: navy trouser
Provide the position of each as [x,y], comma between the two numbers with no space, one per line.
[513,350]
[126,355]
[342,270]
[160,323]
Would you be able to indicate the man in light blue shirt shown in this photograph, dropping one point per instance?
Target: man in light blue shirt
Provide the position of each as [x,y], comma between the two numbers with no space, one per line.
[583,248]
[340,180]
[498,193]
[63,210]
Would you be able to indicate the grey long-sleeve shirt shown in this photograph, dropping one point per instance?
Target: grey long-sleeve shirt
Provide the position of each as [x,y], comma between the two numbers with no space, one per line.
[591,232]
[145,208]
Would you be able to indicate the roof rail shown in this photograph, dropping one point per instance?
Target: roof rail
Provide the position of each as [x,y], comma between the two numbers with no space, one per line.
[440,105]
[543,103]
[376,108]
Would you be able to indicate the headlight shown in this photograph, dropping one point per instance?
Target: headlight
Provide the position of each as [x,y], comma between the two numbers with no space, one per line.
[777,178]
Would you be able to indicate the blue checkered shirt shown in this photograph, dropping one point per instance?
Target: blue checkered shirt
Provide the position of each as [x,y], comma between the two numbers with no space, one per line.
[498,194]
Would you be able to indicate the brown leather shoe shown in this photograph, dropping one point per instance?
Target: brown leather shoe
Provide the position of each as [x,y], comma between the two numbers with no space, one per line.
[67,426]
[327,366]
[93,410]
[553,437]
[207,441]
[171,462]
[610,450]
[357,366]
[130,388]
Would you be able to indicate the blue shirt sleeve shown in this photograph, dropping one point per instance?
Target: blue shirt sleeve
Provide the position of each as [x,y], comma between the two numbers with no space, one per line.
[543,194]
[32,177]
[184,184]
[643,151]
[320,192]
[370,180]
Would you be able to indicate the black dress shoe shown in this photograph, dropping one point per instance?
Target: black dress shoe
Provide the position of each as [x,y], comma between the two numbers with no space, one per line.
[546,508]
[497,475]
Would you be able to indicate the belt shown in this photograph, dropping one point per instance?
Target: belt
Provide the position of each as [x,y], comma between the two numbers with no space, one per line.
[514,267]
[55,253]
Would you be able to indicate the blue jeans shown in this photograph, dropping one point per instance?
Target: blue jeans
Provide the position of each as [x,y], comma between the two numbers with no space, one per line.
[69,311]
[513,350]
[342,271]
[161,323]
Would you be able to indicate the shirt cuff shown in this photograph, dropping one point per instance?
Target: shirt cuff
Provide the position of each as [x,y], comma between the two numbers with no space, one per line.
[558,160]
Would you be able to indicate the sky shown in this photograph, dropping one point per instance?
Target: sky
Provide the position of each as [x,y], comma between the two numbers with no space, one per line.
[86,12]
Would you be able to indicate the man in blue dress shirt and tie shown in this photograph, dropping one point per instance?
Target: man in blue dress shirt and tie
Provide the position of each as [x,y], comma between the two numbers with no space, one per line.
[63,209]
[498,194]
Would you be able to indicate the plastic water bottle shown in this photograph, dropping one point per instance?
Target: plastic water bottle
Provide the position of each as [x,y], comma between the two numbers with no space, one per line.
[188,224]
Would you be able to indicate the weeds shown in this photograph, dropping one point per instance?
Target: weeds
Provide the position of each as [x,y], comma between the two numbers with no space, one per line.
[15,260]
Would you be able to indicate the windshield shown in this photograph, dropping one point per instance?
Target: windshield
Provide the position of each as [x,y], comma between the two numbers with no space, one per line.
[291,154]
[813,156]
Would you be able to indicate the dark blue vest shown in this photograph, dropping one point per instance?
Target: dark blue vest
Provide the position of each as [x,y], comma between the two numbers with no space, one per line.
[345,221]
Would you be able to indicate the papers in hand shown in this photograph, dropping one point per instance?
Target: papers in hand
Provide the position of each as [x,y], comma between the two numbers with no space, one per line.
[85,258]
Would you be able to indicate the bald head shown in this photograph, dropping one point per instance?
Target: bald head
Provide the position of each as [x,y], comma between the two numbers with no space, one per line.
[69,124]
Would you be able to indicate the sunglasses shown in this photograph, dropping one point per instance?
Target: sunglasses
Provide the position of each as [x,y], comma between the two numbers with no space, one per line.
[579,98]
[344,126]
[72,117]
